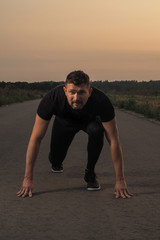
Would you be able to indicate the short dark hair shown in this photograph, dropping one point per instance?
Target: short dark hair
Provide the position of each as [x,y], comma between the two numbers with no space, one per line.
[78,78]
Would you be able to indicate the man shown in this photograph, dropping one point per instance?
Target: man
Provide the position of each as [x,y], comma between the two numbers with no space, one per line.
[76,107]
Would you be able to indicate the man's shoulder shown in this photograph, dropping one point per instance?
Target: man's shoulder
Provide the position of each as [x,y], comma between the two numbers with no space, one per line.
[100,98]
[102,105]
[51,103]
[98,95]
[55,93]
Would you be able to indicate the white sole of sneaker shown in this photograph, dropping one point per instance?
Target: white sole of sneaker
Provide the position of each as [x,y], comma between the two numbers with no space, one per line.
[56,171]
[94,189]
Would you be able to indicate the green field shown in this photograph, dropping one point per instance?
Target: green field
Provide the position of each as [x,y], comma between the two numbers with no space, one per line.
[148,105]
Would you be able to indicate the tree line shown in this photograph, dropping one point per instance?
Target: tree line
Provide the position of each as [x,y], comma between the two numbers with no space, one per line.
[39,86]
[152,87]
[127,86]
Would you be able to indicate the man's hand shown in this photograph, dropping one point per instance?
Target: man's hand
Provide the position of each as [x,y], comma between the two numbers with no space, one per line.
[121,190]
[27,188]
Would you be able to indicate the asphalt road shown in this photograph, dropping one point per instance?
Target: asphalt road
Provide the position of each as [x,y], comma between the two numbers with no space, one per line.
[62,208]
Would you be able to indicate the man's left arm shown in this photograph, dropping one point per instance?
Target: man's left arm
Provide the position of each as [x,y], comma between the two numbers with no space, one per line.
[111,132]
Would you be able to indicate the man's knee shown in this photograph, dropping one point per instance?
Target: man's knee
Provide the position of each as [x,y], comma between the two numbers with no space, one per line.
[95,129]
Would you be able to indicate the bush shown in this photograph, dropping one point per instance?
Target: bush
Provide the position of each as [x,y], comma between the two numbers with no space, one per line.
[130,104]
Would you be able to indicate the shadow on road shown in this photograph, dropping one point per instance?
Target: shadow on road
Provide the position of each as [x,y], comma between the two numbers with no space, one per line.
[73,189]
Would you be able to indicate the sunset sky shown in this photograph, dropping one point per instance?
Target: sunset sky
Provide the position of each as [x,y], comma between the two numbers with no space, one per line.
[44,40]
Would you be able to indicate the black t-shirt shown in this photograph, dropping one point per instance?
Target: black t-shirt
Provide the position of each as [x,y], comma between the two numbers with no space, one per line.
[55,103]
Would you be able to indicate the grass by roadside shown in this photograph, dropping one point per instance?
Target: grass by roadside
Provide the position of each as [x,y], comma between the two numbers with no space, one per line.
[149,106]
[9,96]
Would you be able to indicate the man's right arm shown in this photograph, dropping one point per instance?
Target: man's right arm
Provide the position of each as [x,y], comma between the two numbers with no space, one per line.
[39,130]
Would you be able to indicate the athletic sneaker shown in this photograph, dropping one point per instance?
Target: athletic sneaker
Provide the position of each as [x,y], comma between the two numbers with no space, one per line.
[57,169]
[92,182]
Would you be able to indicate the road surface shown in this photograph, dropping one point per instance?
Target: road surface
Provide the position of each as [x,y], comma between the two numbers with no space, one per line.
[62,208]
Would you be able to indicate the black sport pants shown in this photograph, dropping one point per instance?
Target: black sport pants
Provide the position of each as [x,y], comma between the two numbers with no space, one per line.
[63,132]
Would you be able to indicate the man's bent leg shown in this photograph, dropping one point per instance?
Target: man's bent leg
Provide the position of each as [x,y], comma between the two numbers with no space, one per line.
[62,136]
[95,133]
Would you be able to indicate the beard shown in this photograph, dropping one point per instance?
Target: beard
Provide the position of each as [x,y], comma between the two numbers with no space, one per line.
[77,105]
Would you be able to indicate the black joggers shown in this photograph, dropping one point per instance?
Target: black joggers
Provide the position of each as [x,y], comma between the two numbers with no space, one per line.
[63,132]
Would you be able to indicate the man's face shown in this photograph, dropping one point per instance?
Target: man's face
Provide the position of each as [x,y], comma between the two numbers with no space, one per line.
[77,96]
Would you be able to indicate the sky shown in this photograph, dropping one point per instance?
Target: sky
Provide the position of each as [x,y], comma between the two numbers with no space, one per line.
[107,39]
